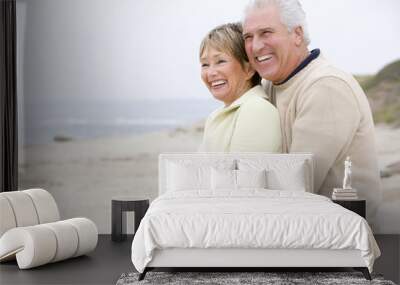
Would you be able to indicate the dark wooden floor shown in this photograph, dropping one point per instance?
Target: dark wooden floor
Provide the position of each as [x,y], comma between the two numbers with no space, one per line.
[111,259]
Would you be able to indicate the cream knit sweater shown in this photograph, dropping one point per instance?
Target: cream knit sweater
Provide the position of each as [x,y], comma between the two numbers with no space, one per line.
[324,111]
[249,124]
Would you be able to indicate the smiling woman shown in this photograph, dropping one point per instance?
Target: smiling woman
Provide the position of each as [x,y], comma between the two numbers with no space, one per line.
[240,125]
[224,76]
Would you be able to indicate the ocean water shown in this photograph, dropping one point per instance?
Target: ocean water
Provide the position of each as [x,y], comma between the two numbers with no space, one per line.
[86,118]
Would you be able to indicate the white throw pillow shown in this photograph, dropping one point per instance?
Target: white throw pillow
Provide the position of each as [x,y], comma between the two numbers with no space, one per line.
[187,177]
[193,174]
[227,179]
[251,178]
[223,179]
[281,174]
[287,178]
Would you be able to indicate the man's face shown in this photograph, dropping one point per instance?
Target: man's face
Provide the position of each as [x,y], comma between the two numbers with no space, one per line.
[270,47]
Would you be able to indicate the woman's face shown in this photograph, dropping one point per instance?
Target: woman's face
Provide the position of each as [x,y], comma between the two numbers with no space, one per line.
[223,75]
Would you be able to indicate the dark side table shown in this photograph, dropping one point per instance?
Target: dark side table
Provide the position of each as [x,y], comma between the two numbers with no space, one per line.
[357,206]
[119,207]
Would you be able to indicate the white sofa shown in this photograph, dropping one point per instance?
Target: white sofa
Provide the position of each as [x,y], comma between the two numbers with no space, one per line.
[31,231]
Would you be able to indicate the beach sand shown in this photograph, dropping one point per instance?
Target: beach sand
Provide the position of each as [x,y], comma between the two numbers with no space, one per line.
[83,176]
[388,142]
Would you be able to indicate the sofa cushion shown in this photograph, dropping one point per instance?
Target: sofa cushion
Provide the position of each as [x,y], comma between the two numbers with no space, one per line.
[23,208]
[30,232]
[40,244]
[7,215]
[45,205]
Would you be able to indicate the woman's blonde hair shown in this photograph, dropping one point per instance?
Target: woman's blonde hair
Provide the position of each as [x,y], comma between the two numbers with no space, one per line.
[228,38]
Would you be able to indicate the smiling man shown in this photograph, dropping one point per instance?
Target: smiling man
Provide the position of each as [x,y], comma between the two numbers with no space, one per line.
[322,109]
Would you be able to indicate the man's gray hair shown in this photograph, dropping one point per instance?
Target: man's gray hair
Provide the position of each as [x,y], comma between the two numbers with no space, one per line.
[291,13]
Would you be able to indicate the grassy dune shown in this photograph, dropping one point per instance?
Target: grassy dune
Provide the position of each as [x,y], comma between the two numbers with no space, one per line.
[383,92]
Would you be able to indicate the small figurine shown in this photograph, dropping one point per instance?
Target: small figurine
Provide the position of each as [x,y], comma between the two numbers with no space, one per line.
[347,174]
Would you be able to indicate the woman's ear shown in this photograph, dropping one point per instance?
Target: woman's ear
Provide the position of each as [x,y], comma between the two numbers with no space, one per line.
[250,71]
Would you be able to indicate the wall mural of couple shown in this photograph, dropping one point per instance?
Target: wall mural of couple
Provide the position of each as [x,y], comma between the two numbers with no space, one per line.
[271,92]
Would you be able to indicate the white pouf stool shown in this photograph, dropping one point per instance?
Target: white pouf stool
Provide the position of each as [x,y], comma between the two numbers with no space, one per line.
[31,230]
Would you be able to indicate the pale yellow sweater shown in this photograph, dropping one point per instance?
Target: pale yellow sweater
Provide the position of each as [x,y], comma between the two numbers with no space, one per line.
[249,124]
[324,111]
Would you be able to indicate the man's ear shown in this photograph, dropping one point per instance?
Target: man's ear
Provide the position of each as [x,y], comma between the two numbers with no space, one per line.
[298,34]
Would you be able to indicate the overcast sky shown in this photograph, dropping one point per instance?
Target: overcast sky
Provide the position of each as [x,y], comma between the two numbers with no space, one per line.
[149,48]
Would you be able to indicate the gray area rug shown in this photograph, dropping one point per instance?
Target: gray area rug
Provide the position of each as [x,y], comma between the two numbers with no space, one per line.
[269,278]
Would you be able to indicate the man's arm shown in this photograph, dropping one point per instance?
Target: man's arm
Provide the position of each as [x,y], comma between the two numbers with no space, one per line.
[327,119]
